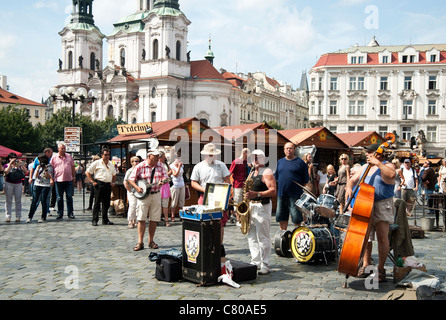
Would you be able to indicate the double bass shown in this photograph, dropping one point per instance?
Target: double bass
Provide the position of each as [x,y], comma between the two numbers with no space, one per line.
[358,229]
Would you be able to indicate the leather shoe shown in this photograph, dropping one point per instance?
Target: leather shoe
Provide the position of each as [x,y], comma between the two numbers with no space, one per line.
[108,223]
[94,223]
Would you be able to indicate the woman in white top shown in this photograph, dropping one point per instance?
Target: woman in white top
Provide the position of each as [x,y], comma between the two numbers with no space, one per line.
[322,173]
[178,189]
[131,214]
[442,176]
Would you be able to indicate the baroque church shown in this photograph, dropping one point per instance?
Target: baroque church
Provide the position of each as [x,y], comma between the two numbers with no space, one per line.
[149,76]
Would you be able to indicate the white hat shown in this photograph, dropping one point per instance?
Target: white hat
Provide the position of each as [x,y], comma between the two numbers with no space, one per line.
[210,149]
[153,152]
[258,152]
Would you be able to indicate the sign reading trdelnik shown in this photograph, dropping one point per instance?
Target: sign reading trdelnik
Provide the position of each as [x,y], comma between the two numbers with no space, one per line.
[134,128]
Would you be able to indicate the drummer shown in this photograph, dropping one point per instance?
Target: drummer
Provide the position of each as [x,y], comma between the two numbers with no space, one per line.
[154,173]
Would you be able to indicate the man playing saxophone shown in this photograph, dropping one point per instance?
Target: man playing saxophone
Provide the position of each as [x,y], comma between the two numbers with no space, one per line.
[264,187]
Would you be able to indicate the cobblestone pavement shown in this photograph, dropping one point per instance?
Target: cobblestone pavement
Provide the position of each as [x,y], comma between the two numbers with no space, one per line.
[41,260]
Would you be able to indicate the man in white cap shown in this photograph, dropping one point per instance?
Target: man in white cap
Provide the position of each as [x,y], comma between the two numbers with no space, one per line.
[150,207]
[264,187]
[410,187]
[210,170]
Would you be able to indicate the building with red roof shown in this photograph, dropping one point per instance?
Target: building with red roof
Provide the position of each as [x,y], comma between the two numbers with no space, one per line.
[394,88]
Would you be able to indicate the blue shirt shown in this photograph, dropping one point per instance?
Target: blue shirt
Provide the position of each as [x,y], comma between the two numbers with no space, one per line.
[288,171]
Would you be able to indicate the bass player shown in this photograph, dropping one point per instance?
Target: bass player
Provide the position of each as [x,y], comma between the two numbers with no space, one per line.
[382,177]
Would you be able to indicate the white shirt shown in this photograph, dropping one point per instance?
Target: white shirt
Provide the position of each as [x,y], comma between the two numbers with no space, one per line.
[178,182]
[209,173]
[409,178]
[101,171]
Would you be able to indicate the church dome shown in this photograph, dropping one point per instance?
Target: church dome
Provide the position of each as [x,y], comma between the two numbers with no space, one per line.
[166,8]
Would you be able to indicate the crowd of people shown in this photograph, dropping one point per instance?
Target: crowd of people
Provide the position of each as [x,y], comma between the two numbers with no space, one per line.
[55,176]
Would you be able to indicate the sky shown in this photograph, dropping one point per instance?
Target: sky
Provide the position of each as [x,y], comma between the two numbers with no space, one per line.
[283,38]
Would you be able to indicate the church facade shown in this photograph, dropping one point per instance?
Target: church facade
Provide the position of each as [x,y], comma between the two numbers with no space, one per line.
[149,76]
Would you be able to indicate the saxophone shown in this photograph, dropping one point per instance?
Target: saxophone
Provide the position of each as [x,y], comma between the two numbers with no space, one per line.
[243,207]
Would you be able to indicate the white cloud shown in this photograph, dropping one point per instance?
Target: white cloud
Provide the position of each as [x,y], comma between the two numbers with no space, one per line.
[45,4]
[7,45]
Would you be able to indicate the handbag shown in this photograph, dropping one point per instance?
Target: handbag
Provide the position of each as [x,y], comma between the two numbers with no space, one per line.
[16,175]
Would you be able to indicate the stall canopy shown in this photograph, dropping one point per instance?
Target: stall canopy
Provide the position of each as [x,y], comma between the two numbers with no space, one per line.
[5,151]
[320,137]
[360,139]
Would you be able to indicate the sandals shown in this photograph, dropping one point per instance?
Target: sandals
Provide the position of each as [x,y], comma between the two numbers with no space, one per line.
[382,275]
[362,274]
[153,245]
[138,247]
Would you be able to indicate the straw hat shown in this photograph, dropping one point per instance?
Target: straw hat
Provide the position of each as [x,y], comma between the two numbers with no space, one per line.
[210,149]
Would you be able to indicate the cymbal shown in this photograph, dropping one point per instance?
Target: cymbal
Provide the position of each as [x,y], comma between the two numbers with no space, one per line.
[306,189]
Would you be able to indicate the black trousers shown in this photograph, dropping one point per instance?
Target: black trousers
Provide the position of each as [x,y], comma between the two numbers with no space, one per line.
[102,195]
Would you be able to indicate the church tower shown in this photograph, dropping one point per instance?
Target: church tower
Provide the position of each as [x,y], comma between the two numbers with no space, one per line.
[81,46]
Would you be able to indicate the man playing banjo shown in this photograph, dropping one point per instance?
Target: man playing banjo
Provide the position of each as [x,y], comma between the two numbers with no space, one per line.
[149,206]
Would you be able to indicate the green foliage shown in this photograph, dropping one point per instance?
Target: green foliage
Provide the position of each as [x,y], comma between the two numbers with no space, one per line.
[275,125]
[17,132]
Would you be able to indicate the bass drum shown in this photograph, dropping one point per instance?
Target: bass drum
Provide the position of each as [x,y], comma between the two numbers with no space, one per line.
[310,244]
[282,243]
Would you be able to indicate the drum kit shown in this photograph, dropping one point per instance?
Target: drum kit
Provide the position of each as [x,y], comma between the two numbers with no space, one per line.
[319,237]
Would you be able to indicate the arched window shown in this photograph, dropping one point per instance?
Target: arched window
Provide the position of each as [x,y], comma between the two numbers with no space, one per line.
[153,116]
[204,121]
[92,61]
[70,60]
[155,49]
[122,55]
[110,112]
[178,53]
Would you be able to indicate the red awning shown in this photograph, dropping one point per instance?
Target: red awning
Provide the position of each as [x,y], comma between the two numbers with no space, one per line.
[5,151]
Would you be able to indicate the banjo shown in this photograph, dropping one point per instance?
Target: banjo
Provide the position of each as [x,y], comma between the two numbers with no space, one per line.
[146,187]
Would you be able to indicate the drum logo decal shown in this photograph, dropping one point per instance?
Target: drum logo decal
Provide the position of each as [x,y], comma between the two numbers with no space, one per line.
[192,245]
[303,245]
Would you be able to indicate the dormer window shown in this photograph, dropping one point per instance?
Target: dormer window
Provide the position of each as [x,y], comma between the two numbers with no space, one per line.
[433,56]
[409,55]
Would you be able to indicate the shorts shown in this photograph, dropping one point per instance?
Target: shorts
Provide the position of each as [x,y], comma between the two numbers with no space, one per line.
[382,211]
[178,196]
[149,208]
[285,207]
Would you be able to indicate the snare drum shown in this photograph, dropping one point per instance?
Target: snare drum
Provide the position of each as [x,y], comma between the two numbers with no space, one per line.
[326,206]
[310,244]
[305,205]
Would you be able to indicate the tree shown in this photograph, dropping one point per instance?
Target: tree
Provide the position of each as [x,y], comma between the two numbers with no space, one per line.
[275,125]
[17,132]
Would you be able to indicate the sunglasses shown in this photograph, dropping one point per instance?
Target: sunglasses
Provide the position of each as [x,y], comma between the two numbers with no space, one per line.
[106,154]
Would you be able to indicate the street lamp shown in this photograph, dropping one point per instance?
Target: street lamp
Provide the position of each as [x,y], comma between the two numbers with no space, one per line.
[71,94]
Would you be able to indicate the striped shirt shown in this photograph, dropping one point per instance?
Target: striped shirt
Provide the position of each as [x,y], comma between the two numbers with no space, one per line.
[143,171]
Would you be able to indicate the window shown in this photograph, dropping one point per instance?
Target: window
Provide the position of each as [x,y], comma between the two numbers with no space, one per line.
[360,83]
[385,59]
[433,58]
[432,107]
[313,84]
[153,116]
[431,134]
[384,83]
[313,107]
[333,129]
[356,83]
[155,49]
[408,83]
[178,53]
[333,107]
[351,128]
[333,83]
[352,83]
[406,133]
[432,82]
[360,60]
[320,84]
[356,107]
[122,57]
[36,113]
[353,60]
[70,60]
[382,130]
[407,109]
[360,129]
[92,61]
[408,59]
[383,107]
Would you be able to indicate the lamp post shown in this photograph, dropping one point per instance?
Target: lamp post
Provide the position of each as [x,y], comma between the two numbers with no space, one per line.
[73,95]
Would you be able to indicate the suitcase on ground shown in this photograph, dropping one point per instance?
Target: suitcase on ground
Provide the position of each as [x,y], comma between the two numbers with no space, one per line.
[169,270]
[242,271]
